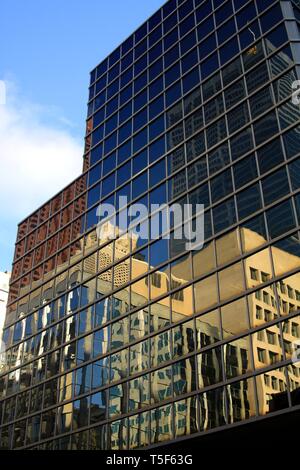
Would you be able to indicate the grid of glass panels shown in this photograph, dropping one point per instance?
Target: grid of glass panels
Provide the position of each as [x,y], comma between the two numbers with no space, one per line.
[117,328]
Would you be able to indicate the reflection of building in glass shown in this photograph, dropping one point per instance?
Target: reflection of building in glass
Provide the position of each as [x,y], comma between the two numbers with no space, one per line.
[126,343]
[4,281]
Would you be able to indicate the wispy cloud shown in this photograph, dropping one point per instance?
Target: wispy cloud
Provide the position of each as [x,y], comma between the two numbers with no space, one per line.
[37,159]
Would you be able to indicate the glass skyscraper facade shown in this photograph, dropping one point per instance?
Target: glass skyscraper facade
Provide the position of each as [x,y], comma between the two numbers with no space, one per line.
[130,343]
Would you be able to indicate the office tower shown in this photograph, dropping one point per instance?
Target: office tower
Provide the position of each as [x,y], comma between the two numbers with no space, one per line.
[132,343]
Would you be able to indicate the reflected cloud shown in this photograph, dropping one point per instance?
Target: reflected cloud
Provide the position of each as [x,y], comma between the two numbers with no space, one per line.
[31,151]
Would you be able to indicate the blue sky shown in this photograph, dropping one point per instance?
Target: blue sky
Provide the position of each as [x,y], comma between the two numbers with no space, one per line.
[47,49]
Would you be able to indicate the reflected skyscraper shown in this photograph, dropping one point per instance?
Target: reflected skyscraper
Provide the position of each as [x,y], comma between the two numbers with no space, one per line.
[131,343]
[4,286]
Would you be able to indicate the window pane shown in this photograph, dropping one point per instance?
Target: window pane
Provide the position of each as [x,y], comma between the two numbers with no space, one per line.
[205,293]
[221,186]
[249,201]
[212,409]
[280,219]
[242,398]
[184,376]
[275,186]
[265,128]
[260,102]
[238,359]
[224,215]
[208,329]
[210,367]
[230,313]
[186,417]
[245,171]
[269,156]
[231,281]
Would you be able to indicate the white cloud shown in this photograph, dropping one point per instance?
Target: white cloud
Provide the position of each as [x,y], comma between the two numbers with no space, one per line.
[36,159]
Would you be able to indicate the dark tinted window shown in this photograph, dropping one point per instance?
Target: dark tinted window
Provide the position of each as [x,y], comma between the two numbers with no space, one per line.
[171,38]
[140,140]
[218,158]
[187,25]
[172,74]
[139,162]
[232,71]
[189,60]
[292,142]
[157,149]
[288,114]
[173,94]
[275,186]
[269,19]
[109,163]
[156,107]
[140,119]
[156,127]
[260,102]
[223,13]
[294,170]
[171,56]
[280,219]
[261,6]
[139,185]
[224,215]
[234,94]
[209,65]
[265,128]
[155,88]
[207,46]
[221,186]
[269,156]
[211,86]
[241,144]
[249,35]
[124,173]
[246,15]
[238,117]
[245,171]
[205,28]
[191,80]
[276,38]
[249,201]
[157,172]
[226,31]
[94,174]
[188,42]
